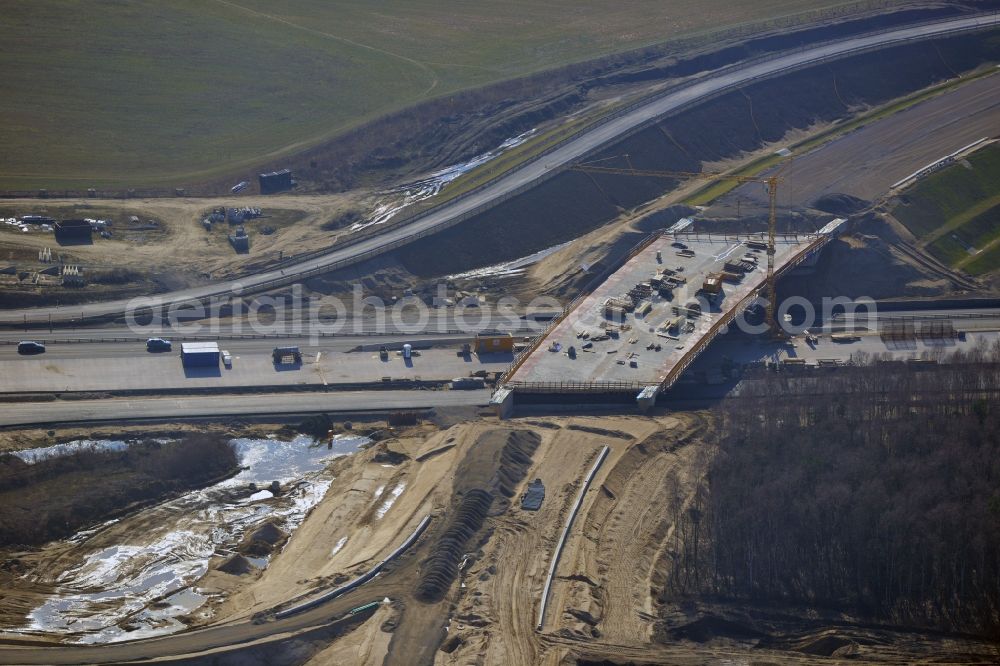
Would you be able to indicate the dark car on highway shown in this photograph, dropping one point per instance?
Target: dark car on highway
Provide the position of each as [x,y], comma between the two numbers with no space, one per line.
[30,347]
[158,345]
[679,245]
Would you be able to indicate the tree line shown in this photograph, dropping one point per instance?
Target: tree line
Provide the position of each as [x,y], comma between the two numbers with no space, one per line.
[56,497]
[873,488]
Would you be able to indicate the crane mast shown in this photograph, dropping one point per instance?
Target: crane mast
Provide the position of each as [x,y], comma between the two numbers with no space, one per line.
[771,182]
[772,224]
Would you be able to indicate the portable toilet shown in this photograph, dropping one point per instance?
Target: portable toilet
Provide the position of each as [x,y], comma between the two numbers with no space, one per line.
[407,350]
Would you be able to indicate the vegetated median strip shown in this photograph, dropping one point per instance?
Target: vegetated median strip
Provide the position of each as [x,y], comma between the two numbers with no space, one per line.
[557,553]
[360,580]
[712,191]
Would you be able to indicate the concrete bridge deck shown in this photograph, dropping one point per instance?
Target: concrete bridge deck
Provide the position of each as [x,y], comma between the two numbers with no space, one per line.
[618,353]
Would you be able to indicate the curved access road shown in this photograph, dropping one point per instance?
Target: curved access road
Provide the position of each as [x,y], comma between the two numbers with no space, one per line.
[526,175]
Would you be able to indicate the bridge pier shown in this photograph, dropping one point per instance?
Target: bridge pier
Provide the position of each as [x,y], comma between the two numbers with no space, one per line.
[646,399]
[503,402]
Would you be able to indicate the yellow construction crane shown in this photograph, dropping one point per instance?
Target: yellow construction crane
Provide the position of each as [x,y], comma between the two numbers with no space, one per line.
[771,182]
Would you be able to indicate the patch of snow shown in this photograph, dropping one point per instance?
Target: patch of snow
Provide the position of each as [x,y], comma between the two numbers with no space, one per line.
[389,501]
[398,198]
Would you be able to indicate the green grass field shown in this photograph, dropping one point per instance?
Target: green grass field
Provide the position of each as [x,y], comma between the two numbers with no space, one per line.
[956,209]
[112,93]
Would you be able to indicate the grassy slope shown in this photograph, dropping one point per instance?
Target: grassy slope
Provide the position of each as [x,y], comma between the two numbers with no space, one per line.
[117,93]
[958,201]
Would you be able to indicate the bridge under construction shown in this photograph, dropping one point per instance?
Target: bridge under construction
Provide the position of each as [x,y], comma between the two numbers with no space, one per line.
[637,332]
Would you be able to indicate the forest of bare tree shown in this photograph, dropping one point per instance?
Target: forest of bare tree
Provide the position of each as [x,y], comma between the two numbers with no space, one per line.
[872,489]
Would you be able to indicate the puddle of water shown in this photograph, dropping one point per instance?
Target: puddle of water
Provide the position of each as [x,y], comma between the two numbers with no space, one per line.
[259,562]
[390,500]
[112,593]
[398,198]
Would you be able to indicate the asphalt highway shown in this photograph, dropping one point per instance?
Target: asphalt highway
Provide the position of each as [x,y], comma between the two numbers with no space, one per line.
[432,321]
[278,404]
[60,346]
[529,173]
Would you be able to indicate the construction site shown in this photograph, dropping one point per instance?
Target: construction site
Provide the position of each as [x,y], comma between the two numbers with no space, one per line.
[641,328]
[684,355]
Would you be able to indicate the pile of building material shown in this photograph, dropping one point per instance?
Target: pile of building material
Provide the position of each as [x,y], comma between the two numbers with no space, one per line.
[240,215]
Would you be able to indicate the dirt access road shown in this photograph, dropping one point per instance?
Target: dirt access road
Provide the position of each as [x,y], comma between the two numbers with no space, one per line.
[352,528]
[602,589]
[866,162]
[532,172]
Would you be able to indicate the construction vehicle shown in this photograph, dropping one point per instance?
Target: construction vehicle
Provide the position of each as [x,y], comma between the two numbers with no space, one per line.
[771,182]
[712,284]
[286,356]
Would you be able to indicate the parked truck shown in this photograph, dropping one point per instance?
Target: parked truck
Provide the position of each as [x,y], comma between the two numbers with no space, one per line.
[200,354]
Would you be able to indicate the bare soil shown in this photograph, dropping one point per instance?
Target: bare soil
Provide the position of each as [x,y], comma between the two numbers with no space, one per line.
[605,603]
[180,253]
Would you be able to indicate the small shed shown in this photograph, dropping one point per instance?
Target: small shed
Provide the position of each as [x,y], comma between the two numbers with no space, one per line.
[494,343]
[73,231]
[275,181]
